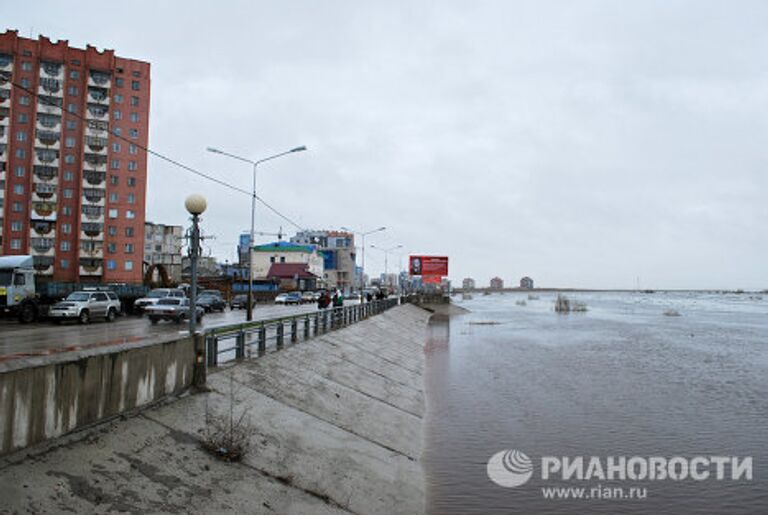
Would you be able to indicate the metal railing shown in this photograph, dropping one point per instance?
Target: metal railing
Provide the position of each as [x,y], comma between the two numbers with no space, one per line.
[237,341]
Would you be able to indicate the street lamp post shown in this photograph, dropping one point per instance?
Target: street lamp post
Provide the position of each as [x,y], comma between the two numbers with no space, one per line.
[386,256]
[249,313]
[195,205]
[362,268]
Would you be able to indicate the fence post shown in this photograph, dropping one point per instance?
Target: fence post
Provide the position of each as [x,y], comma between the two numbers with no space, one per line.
[213,350]
[306,328]
[199,369]
[294,330]
[280,331]
[262,339]
[317,323]
[325,321]
[240,345]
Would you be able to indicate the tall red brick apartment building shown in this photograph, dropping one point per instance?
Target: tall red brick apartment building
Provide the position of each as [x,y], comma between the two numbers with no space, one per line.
[73,173]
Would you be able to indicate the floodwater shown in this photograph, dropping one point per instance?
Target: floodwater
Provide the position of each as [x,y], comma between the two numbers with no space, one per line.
[621,379]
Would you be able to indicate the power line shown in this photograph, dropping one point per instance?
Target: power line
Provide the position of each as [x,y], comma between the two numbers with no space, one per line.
[6,77]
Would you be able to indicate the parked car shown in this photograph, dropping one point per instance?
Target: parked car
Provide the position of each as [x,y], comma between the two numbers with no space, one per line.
[155,295]
[173,308]
[211,302]
[86,305]
[308,297]
[293,297]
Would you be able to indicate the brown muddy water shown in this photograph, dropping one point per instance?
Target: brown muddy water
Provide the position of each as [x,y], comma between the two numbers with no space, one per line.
[621,380]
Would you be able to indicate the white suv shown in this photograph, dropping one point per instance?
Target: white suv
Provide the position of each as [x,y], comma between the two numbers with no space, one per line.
[140,305]
[86,305]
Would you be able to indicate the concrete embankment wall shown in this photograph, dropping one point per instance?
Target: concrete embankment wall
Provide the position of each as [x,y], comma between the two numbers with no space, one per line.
[336,427]
[46,397]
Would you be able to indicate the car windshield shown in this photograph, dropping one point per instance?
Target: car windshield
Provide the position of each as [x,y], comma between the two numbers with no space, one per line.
[169,302]
[5,277]
[78,296]
[158,294]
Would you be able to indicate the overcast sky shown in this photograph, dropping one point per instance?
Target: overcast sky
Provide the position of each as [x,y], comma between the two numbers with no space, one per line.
[583,143]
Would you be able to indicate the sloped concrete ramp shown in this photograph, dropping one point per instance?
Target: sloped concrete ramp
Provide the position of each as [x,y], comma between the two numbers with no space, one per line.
[337,428]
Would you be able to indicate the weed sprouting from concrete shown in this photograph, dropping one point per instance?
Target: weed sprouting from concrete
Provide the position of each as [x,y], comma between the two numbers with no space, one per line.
[228,436]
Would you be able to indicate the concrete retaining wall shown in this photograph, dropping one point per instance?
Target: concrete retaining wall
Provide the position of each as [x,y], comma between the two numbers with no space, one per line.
[46,397]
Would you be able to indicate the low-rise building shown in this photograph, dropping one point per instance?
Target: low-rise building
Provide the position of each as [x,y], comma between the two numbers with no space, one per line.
[497,283]
[338,251]
[468,284]
[162,247]
[264,256]
[526,283]
[293,276]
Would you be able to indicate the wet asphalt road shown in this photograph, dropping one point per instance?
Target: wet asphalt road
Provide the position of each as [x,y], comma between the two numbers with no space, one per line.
[18,340]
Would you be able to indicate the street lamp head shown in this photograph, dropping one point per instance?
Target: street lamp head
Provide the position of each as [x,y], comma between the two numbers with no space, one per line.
[299,149]
[195,204]
[214,150]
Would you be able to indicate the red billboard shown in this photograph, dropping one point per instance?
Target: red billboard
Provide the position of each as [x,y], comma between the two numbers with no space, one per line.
[428,265]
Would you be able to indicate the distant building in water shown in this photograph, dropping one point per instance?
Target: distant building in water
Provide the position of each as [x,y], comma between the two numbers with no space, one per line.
[526,283]
[468,284]
[497,283]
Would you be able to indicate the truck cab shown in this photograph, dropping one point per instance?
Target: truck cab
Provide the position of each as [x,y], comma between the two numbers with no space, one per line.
[17,287]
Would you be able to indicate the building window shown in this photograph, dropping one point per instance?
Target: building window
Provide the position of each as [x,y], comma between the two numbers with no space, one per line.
[134,133]
[129,232]
[119,82]
[23,117]
[113,180]
[21,136]
[115,164]
[18,189]
[15,244]
[16,226]
[21,153]
[116,147]
[132,149]
[132,165]
[19,171]
[131,198]
[69,159]
[128,266]
[118,99]
[71,125]
[66,211]
[69,175]
[64,246]
[26,66]
[130,214]
[64,264]
[72,108]
[113,213]
[74,74]
[134,101]
[66,228]
[68,193]
[117,115]
[16,207]
[129,248]
[272,259]
[117,131]
[111,248]
[24,100]
[113,197]
[112,230]
[75,62]
[69,142]
[132,181]
[136,73]
[72,90]
[135,85]
[134,117]
[111,264]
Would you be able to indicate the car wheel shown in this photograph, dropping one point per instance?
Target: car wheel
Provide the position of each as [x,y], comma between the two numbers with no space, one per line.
[84,317]
[111,315]
[153,320]
[27,314]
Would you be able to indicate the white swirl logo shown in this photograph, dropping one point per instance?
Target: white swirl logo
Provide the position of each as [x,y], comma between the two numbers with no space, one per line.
[510,468]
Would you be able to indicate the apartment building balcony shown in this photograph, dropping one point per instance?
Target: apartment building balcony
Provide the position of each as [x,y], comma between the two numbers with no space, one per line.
[96,144]
[91,178]
[92,249]
[93,214]
[48,121]
[44,192]
[97,128]
[3,149]
[91,230]
[49,104]
[50,86]
[97,112]
[49,139]
[5,97]
[5,112]
[43,211]
[6,62]
[46,157]
[98,95]
[91,266]
[42,246]
[43,265]
[45,173]
[3,134]
[95,162]
[94,196]
[99,79]
[51,70]
[41,229]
